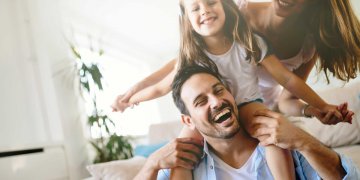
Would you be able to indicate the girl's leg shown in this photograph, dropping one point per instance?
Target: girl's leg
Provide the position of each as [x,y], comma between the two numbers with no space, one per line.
[182,173]
[280,162]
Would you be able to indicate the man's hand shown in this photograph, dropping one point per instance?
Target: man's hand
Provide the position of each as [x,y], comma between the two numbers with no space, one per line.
[273,128]
[181,152]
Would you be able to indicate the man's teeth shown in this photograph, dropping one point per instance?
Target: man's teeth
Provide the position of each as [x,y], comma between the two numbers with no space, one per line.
[217,117]
[283,3]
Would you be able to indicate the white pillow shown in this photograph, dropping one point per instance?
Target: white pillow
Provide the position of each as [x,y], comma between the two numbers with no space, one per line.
[165,131]
[342,133]
[117,170]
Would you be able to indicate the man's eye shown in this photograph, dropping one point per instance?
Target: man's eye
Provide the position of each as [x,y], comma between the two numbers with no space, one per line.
[200,103]
[219,91]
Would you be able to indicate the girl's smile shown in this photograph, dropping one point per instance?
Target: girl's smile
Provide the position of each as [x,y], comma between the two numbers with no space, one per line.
[208,20]
[207,17]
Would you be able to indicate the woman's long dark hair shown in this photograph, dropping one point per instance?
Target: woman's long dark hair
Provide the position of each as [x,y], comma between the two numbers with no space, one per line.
[336,31]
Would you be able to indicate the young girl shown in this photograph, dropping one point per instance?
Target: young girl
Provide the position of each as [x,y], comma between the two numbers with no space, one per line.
[216,29]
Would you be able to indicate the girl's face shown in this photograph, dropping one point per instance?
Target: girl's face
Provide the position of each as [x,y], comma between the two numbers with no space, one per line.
[207,17]
[285,8]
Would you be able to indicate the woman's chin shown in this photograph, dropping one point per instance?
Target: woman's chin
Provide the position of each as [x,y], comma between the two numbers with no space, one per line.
[279,11]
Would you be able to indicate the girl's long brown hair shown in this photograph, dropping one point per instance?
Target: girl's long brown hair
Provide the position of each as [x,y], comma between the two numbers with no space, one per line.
[336,31]
[236,28]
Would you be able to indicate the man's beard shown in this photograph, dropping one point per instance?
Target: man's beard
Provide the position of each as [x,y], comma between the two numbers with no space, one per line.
[221,135]
[216,132]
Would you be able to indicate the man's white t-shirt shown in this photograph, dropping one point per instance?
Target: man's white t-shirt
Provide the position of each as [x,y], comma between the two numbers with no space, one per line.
[224,171]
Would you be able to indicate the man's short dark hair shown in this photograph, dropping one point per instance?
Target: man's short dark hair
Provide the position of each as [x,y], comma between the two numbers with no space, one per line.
[183,75]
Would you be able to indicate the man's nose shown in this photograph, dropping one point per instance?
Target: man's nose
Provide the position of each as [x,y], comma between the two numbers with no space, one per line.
[215,102]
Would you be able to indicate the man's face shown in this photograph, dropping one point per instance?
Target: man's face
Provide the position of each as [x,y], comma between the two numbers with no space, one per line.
[211,107]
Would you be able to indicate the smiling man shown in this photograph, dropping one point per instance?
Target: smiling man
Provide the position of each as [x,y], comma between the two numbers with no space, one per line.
[229,152]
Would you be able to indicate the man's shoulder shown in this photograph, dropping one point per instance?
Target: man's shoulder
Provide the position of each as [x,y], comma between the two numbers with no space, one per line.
[163,174]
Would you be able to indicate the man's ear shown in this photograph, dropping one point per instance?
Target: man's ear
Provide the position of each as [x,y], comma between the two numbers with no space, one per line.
[186,119]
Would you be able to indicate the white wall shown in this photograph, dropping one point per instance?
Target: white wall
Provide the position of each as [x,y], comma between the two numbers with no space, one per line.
[20,101]
[38,109]
[356,6]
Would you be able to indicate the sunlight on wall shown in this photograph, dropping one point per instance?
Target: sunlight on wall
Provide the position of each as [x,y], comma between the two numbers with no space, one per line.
[119,76]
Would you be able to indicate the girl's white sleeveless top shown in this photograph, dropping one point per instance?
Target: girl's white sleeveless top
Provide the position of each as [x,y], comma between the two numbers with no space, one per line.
[241,74]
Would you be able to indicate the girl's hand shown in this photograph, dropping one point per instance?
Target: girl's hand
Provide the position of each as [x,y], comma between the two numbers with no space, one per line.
[121,103]
[345,112]
[331,114]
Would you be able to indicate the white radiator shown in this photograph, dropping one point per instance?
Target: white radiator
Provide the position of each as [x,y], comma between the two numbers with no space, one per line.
[37,163]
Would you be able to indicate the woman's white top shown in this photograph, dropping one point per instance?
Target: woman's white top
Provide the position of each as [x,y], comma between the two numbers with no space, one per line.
[270,88]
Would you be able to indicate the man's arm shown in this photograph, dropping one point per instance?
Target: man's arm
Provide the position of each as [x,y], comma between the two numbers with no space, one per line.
[325,161]
[181,152]
[273,128]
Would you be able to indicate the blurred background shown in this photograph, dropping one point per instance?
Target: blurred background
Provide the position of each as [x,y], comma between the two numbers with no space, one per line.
[42,106]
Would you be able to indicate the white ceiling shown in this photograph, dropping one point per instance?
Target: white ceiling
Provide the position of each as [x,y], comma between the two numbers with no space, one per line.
[141,28]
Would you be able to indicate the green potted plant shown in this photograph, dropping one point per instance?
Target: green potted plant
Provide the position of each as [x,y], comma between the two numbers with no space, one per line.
[108,146]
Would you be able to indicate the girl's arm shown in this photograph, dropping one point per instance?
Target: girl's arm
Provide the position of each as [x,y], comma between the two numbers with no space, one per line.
[297,86]
[290,104]
[122,101]
[157,90]
[153,78]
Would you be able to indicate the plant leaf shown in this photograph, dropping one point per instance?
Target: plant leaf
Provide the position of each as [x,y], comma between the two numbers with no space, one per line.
[75,52]
[96,75]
